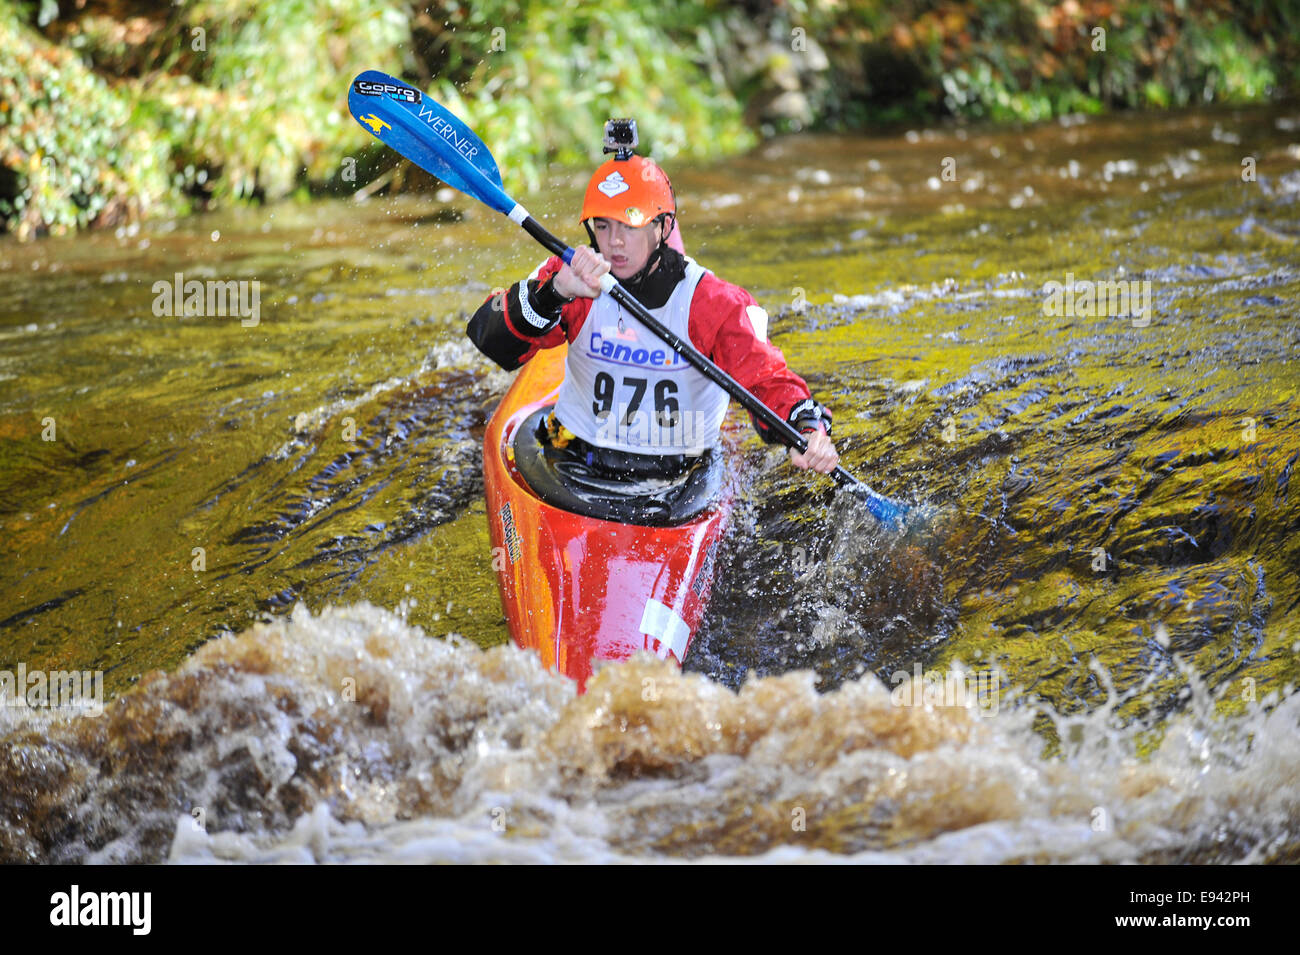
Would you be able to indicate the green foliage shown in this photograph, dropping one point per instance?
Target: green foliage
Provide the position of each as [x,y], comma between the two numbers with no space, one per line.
[237,99]
[70,153]
[1029,60]
[107,112]
[538,80]
[262,93]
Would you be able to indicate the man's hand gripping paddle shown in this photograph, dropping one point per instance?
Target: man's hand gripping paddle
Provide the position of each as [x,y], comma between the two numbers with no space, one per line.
[437,141]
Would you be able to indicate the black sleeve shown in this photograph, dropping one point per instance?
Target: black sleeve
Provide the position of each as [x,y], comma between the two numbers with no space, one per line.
[495,337]
[807,415]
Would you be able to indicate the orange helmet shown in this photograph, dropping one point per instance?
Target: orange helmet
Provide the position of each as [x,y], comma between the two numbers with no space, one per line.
[633,190]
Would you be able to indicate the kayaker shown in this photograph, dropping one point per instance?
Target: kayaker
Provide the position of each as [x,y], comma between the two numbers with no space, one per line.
[629,404]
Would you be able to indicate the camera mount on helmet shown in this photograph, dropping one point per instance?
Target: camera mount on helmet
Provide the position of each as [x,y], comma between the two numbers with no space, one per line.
[620,138]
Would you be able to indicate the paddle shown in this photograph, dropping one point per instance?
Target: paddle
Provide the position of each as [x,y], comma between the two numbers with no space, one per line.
[436,140]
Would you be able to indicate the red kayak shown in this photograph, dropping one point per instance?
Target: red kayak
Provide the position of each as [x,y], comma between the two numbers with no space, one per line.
[593,569]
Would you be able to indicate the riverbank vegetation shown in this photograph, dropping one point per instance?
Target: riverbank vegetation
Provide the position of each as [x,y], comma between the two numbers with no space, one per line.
[111,110]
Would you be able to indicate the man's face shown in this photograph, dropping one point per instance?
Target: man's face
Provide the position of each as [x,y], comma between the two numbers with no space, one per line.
[626,248]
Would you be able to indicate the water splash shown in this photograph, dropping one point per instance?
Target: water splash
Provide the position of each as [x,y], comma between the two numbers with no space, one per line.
[352,736]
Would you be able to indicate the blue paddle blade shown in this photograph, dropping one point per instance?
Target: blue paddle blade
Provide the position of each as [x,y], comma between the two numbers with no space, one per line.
[882,508]
[885,510]
[428,134]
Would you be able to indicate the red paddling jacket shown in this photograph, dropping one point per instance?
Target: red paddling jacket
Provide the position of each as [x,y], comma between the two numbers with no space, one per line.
[511,326]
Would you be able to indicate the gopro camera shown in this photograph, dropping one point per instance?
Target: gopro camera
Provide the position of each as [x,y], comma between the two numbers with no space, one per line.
[620,137]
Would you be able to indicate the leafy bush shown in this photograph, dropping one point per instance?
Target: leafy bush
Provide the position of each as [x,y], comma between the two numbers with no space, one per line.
[120,109]
[538,80]
[1029,60]
[71,153]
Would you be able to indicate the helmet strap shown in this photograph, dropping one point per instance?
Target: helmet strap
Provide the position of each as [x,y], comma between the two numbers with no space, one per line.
[632,283]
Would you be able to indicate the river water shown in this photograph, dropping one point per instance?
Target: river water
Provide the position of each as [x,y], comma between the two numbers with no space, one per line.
[255,523]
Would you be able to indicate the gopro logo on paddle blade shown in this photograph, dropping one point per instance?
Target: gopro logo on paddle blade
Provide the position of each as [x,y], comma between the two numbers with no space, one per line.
[391,90]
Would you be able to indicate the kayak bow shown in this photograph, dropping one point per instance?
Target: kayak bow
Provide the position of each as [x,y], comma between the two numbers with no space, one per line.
[576,587]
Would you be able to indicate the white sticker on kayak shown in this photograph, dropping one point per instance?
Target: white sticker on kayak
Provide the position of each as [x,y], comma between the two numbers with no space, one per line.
[510,534]
[662,622]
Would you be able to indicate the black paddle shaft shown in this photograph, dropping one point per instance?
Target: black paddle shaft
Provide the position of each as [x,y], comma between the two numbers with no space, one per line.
[693,357]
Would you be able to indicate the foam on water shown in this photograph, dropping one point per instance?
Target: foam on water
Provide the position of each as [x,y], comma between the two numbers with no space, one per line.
[353,737]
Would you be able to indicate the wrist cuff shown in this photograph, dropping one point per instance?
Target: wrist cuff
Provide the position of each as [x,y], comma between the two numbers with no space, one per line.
[546,300]
[808,415]
[539,320]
